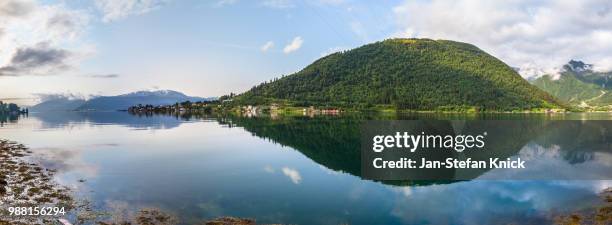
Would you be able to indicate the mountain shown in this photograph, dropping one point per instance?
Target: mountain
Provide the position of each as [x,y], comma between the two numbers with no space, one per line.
[122,102]
[119,102]
[58,104]
[578,85]
[419,74]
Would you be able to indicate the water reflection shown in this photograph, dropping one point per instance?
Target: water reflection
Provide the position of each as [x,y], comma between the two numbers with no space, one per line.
[549,140]
[10,118]
[570,149]
[69,163]
[302,170]
[495,202]
[141,121]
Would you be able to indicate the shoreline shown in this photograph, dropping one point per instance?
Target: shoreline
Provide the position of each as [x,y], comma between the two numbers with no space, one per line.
[27,184]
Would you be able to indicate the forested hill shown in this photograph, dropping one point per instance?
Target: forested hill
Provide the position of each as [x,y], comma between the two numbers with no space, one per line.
[420,74]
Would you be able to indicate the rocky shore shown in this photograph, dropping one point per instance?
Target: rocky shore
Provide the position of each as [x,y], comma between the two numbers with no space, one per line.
[27,184]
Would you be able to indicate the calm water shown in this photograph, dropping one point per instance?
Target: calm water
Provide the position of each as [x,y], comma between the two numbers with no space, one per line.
[300,170]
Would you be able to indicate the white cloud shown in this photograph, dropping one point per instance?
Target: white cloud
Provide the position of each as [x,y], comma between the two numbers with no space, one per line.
[294,45]
[331,2]
[43,97]
[278,4]
[39,39]
[267,46]
[222,3]
[330,51]
[522,33]
[293,174]
[286,4]
[118,9]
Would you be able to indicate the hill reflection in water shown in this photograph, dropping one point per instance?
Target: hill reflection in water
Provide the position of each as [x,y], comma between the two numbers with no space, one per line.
[211,165]
[334,142]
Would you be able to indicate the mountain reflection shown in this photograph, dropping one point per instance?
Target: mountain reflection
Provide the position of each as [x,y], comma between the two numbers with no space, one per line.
[141,121]
[205,169]
[334,141]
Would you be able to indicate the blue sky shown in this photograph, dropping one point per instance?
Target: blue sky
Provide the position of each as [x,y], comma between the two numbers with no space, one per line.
[213,47]
[222,45]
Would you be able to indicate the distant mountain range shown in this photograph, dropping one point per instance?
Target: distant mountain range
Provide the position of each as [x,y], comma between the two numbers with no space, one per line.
[579,85]
[60,103]
[114,103]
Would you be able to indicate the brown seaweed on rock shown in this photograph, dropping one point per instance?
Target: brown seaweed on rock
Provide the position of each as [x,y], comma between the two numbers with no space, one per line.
[601,215]
[26,184]
[231,221]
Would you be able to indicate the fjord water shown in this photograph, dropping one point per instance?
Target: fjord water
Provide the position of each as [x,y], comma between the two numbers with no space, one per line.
[299,170]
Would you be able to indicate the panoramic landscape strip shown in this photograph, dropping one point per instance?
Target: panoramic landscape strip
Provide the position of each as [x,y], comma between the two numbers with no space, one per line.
[322,112]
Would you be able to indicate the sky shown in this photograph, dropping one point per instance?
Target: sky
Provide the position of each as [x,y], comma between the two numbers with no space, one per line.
[84,48]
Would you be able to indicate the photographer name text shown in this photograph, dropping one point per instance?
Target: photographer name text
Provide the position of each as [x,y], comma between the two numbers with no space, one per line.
[449,163]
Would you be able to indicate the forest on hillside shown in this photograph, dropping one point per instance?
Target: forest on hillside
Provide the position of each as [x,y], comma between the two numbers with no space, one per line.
[419,74]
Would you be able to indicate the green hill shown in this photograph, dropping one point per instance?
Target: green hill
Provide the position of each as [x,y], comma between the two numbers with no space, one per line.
[568,88]
[419,74]
[579,85]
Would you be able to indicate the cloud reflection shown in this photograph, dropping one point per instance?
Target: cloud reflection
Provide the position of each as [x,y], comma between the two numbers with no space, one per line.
[495,202]
[553,162]
[69,164]
[293,174]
